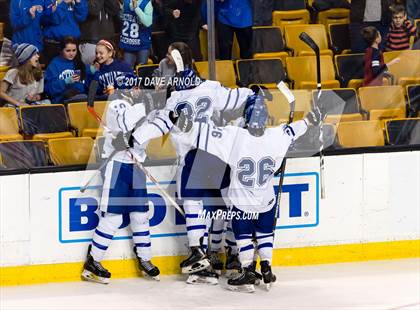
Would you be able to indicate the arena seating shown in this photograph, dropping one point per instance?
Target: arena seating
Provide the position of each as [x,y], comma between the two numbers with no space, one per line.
[45,121]
[407,71]
[350,69]
[403,131]
[268,43]
[333,16]
[341,104]
[316,32]
[360,134]
[23,154]
[9,127]
[339,36]
[267,72]
[225,72]
[383,102]
[279,108]
[302,72]
[146,71]
[71,151]
[84,123]
[413,94]
[288,12]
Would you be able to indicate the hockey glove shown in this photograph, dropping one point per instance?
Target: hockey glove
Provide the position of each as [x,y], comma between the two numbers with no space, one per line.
[120,143]
[181,120]
[263,91]
[315,116]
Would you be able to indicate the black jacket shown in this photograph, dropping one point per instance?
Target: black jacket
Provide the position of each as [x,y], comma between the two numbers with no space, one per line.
[100,21]
[189,22]
[357,11]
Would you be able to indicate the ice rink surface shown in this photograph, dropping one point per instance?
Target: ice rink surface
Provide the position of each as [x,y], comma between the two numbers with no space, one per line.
[389,285]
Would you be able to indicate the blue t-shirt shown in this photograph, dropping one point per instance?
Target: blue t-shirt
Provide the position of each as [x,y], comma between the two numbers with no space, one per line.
[134,36]
[57,71]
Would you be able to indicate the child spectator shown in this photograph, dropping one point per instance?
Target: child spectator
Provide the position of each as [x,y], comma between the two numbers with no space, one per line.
[24,84]
[61,22]
[65,75]
[374,60]
[136,34]
[25,18]
[400,31]
[107,70]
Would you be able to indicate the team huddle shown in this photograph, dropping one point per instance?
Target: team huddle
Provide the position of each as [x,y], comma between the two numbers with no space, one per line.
[220,167]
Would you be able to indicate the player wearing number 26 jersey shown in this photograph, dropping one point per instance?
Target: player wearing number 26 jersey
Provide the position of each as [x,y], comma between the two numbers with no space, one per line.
[254,153]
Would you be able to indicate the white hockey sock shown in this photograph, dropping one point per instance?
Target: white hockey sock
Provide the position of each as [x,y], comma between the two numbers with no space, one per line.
[104,232]
[230,238]
[216,235]
[265,246]
[195,225]
[139,224]
[246,249]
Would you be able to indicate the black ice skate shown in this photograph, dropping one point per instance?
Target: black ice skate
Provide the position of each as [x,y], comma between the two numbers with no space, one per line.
[244,282]
[233,265]
[195,262]
[147,268]
[258,276]
[93,271]
[205,276]
[268,276]
[215,262]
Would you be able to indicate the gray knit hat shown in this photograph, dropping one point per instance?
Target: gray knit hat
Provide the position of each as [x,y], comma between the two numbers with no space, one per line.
[24,52]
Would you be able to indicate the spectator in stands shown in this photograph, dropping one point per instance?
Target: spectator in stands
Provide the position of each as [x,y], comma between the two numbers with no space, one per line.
[183,23]
[62,21]
[24,84]
[365,13]
[65,75]
[107,70]
[234,17]
[158,16]
[167,68]
[135,37]
[413,9]
[263,12]
[25,17]
[98,25]
[400,31]
[374,59]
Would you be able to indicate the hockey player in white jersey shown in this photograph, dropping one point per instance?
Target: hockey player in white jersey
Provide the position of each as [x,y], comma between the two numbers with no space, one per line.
[254,153]
[124,193]
[200,174]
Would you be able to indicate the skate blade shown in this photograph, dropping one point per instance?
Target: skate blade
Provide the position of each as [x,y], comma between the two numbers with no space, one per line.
[267,286]
[91,277]
[156,278]
[231,273]
[219,272]
[198,266]
[246,288]
[195,279]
